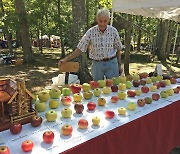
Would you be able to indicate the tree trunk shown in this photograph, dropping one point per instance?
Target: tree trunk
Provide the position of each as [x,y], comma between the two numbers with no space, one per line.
[24,27]
[9,40]
[18,37]
[168,45]
[127,45]
[139,34]
[159,39]
[79,20]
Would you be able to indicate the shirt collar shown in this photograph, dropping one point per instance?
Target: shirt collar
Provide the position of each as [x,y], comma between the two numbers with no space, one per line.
[101,31]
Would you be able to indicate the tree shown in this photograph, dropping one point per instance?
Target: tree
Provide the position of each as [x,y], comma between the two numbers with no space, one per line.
[24,30]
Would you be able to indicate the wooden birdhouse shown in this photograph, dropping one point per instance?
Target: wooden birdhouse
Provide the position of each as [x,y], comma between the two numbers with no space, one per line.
[15,103]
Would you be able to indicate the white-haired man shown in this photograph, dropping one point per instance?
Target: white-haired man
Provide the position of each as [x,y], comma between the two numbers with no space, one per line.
[105,48]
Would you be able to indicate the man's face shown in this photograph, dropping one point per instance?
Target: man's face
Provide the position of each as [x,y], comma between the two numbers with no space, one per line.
[102,22]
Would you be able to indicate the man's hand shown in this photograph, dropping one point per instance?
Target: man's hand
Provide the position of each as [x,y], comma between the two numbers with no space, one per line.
[62,61]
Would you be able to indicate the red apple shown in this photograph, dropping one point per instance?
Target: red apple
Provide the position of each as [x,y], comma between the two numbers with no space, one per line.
[136,83]
[83,123]
[48,137]
[145,89]
[36,121]
[27,145]
[176,90]
[75,88]
[79,107]
[162,83]
[131,93]
[91,105]
[114,99]
[178,87]
[15,128]
[143,75]
[155,97]
[66,100]
[109,114]
[94,84]
[114,88]
[142,82]
[66,130]
[141,102]
[173,80]
[157,84]
[4,150]
[109,82]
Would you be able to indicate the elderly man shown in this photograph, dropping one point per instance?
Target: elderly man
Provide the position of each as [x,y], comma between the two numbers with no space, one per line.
[105,46]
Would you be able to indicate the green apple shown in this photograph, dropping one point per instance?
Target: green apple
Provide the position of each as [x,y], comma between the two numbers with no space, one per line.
[66,91]
[131,106]
[87,95]
[96,121]
[136,77]
[66,112]
[122,86]
[122,95]
[77,97]
[122,111]
[170,92]
[106,90]
[153,88]
[138,92]
[34,99]
[43,96]
[40,106]
[115,80]
[86,87]
[168,82]
[154,79]
[102,83]
[97,92]
[163,94]
[148,80]
[122,79]
[129,84]
[51,116]
[148,100]
[159,77]
[55,93]
[53,104]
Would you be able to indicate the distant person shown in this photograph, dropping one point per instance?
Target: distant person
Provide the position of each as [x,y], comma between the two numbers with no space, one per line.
[105,48]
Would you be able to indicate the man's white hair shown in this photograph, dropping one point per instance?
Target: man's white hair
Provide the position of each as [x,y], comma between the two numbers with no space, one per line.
[103,13]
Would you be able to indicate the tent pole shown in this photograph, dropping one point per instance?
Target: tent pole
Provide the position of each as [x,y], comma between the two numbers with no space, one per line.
[111,18]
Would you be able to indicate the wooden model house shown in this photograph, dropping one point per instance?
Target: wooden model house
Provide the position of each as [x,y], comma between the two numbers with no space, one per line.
[15,103]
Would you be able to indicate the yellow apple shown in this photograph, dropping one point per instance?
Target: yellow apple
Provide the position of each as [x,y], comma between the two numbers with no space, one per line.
[77,97]
[96,121]
[106,90]
[122,86]
[122,111]
[122,95]
[168,82]
[131,106]
[153,88]
[170,92]
[138,92]
[122,79]
[101,101]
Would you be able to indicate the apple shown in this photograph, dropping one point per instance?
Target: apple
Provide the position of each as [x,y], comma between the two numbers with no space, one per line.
[141,102]
[162,83]
[153,78]
[91,106]
[131,106]
[157,84]
[148,80]
[48,137]
[144,89]
[142,82]
[77,97]
[94,84]
[109,114]
[114,99]
[114,88]
[51,116]
[155,97]
[15,128]
[102,83]
[170,92]
[97,92]
[66,112]
[121,95]
[122,86]
[159,77]
[106,90]
[109,82]
[163,94]
[36,121]
[138,92]
[54,93]
[122,79]
[96,121]
[101,101]
[43,96]
[88,95]
[79,107]
[129,85]
[4,150]
[66,130]
[122,111]
[86,87]
[27,145]
[143,75]
[131,93]
[66,100]
[129,77]
[148,100]
[173,80]
[153,88]
[66,91]
[115,80]
[136,77]
[34,99]
[167,81]
[53,104]
[40,106]
[176,90]
[136,83]
[75,88]
[83,123]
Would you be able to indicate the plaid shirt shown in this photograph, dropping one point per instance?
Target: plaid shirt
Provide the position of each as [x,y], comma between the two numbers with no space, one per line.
[102,44]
